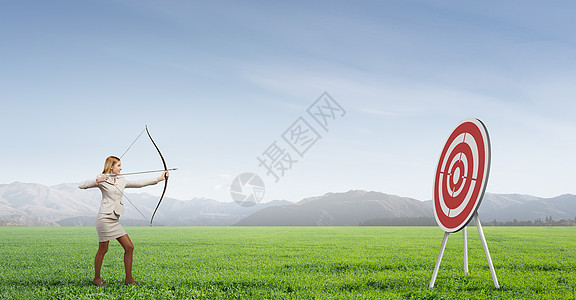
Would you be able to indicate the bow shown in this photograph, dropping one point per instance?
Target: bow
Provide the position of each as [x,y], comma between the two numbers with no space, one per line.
[165,176]
[165,169]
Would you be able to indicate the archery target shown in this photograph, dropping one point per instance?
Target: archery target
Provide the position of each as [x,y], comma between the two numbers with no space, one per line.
[461,175]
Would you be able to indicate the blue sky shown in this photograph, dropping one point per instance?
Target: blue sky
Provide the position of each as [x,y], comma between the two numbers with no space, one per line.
[217,82]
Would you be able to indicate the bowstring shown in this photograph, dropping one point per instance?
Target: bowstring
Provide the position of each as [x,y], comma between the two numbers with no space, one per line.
[121,192]
[124,195]
[132,143]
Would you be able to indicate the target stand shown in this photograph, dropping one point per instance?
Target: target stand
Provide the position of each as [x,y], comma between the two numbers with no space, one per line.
[465,242]
[459,186]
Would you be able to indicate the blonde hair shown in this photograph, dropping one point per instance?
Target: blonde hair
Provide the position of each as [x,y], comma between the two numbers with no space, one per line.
[110,162]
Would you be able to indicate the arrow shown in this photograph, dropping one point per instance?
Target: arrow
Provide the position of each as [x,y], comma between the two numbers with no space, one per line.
[143,172]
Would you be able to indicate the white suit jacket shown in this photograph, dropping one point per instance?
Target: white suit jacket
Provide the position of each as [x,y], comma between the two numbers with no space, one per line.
[112,192]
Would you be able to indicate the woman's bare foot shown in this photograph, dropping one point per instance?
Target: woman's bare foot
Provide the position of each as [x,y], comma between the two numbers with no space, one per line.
[131,281]
[99,282]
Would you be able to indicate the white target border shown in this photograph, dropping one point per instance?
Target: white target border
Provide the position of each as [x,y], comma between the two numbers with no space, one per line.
[487,162]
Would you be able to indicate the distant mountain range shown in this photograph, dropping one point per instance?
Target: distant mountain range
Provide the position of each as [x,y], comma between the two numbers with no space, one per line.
[66,205]
[374,208]
[340,209]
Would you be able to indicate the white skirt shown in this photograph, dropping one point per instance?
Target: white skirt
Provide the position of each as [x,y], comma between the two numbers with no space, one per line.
[108,227]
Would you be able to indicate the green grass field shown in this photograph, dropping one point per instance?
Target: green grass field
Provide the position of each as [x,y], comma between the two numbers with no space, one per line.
[289,263]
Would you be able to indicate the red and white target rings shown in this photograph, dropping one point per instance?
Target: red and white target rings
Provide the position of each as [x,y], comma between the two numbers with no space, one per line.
[461,175]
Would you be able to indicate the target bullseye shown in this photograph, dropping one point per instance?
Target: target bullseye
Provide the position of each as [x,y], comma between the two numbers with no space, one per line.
[461,175]
[457,179]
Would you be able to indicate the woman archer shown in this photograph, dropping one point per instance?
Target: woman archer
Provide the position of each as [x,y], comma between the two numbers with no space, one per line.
[107,222]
